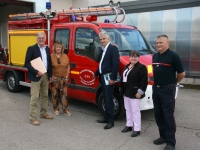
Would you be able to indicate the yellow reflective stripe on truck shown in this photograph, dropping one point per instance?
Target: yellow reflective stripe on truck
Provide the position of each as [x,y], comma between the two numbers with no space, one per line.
[149,68]
[75,72]
[22,32]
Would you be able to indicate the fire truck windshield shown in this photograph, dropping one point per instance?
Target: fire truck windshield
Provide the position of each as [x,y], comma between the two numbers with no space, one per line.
[127,40]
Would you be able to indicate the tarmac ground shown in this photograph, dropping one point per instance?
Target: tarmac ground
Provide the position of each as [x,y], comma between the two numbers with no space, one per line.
[81,131]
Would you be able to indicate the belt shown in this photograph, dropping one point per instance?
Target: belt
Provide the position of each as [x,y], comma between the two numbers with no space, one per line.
[160,86]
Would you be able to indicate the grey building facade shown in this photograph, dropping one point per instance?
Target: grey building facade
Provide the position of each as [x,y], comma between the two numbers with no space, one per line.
[179,19]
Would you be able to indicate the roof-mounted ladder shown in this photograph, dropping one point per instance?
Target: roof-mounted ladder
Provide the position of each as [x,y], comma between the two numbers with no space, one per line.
[77,12]
[99,11]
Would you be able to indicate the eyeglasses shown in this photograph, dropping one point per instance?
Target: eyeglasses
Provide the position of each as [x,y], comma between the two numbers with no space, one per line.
[134,56]
[41,38]
[58,60]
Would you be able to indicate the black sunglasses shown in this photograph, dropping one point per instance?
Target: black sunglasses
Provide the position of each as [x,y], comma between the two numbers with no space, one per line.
[58,60]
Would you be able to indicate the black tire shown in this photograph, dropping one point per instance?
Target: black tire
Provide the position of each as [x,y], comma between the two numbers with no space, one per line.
[119,110]
[11,83]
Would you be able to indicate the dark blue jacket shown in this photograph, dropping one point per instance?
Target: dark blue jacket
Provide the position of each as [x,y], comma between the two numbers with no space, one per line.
[110,63]
[32,53]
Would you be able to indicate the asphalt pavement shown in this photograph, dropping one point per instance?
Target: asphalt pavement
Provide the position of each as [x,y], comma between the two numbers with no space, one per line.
[81,131]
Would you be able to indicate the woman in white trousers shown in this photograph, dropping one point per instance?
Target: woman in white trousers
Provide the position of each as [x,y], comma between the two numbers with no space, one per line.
[133,84]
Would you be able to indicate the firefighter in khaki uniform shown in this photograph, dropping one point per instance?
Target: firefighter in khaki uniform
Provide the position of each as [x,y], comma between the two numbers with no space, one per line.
[166,64]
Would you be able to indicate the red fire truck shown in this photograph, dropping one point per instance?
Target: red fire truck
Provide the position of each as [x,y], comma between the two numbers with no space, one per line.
[78,30]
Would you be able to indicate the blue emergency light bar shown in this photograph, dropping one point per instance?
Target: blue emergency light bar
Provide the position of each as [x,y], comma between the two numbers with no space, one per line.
[73,18]
[48,5]
[106,21]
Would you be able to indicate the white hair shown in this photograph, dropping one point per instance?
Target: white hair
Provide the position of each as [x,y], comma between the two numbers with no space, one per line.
[104,33]
[39,33]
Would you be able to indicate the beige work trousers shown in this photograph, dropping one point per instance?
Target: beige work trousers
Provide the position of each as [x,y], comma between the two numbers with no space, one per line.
[39,90]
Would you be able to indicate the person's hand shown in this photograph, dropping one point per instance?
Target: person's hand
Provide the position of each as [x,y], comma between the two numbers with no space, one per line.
[51,79]
[94,76]
[39,74]
[138,95]
[111,82]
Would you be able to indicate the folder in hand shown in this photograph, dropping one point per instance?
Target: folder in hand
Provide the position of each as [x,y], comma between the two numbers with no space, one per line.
[37,64]
[107,78]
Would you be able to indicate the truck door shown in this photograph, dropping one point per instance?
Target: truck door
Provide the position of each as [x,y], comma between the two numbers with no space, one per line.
[82,63]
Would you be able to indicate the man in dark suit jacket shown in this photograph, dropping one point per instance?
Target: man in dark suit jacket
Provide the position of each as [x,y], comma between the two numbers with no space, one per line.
[39,80]
[109,65]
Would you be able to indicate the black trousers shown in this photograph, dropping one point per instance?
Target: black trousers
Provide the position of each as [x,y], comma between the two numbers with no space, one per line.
[108,99]
[164,105]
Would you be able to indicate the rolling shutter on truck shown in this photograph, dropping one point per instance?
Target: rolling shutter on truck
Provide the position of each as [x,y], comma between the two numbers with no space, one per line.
[19,41]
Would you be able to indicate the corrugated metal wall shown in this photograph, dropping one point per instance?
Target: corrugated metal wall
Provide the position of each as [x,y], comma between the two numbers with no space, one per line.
[182,27]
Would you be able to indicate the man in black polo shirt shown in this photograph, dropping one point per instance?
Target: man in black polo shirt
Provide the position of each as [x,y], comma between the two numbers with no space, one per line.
[168,71]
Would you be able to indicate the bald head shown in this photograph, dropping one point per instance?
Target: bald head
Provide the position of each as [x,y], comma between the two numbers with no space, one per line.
[162,43]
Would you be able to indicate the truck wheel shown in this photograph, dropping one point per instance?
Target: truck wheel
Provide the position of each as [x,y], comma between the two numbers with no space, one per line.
[11,83]
[119,110]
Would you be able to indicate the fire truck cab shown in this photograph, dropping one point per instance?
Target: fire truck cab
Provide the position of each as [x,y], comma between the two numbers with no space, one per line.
[78,31]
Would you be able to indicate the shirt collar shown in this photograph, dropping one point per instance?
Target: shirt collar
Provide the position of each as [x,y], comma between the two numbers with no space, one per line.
[105,48]
[41,47]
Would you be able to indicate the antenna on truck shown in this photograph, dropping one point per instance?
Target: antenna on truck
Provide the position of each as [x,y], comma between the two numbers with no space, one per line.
[48,15]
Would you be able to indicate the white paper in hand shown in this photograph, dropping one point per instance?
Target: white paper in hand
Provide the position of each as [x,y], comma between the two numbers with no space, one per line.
[106,78]
[37,64]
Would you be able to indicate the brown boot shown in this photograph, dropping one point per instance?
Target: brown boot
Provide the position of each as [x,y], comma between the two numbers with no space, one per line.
[34,122]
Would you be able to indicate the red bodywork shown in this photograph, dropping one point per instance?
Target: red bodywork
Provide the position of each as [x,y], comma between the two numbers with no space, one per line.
[81,85]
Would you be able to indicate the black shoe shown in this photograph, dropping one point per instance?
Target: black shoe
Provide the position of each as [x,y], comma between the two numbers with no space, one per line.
[169,147]
[109,125]
[102,121]
[126,129]
[159,141]
[135,133]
